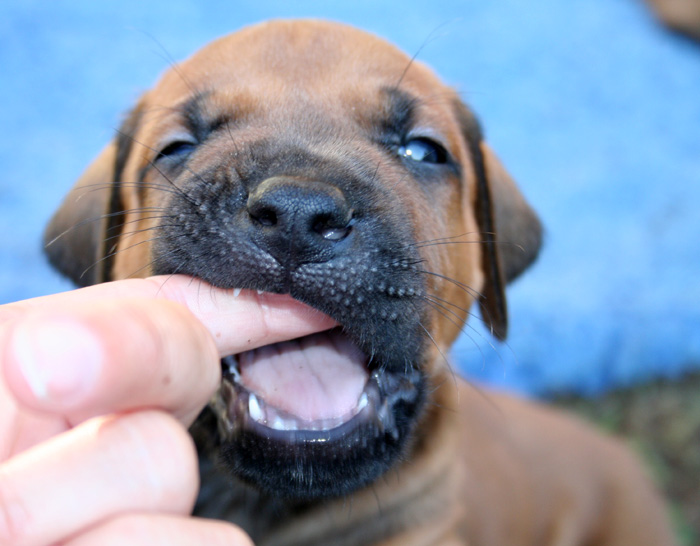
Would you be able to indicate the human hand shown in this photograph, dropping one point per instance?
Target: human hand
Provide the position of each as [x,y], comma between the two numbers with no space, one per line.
[98,387]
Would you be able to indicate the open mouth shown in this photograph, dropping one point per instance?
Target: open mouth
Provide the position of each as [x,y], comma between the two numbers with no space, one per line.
[317,388]
[320,415]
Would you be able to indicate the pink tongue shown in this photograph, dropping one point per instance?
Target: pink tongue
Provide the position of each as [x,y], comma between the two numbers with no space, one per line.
[316,377]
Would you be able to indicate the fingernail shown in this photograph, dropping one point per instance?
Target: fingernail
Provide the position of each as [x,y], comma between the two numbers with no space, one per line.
[58,359]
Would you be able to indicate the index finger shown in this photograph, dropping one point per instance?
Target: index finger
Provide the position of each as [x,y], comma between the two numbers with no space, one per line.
[138,343]
[238,320]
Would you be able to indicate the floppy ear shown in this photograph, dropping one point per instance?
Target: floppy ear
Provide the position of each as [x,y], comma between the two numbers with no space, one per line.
[83,232]
[511,233]
[518,229]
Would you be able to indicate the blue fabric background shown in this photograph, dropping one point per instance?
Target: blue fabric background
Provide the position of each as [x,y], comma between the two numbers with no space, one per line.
[593,107]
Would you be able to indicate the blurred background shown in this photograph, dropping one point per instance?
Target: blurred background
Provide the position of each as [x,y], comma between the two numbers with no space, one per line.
[592,105]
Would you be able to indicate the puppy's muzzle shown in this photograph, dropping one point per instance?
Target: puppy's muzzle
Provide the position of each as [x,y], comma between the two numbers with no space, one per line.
[298,221]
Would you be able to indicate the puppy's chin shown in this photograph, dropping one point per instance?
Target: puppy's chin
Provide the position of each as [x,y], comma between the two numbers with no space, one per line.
[314,417]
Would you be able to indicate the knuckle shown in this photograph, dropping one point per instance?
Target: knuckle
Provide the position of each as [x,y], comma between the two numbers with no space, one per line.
[140,324]
[198,335]
[170,332]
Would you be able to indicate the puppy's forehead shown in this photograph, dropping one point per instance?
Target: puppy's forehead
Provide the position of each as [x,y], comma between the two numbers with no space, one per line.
[283,60]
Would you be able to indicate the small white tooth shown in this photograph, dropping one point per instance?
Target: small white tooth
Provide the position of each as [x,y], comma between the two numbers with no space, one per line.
[235,374]
[259,292]
[277,423]
[330,424]
[254,409]
[362,402]
[290,424]
[237,292]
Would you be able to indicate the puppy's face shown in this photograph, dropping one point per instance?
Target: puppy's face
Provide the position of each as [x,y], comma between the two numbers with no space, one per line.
[314,160]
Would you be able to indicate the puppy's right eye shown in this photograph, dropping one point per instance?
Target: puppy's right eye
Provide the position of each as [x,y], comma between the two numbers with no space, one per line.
[176,151]
[423,150]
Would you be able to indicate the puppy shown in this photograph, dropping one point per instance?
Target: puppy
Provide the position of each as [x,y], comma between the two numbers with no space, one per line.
[312,159]
[680,15]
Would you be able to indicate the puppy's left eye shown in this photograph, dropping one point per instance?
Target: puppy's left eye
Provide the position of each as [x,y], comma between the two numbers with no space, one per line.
[423,150]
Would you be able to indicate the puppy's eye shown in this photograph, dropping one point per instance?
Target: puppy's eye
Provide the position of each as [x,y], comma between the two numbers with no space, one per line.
[177,150]
[424,150]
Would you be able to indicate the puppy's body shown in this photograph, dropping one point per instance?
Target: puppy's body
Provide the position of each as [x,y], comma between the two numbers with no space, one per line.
[500,470]
[312,159]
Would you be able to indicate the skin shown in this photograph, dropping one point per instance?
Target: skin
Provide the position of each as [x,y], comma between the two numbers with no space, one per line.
[116,416]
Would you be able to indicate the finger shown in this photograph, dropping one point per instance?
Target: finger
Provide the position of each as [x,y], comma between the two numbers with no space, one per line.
[109,356]
[140,462]
[241,320]
[19,429]
[238,319]
[78,353]
[161,530]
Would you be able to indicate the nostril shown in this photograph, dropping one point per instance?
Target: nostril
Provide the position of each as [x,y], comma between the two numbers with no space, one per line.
[334,234]
[263,212]
[330,230]
[265,217]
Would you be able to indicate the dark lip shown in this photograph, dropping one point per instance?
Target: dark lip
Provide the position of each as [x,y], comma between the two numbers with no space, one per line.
[383,390]
[302,466]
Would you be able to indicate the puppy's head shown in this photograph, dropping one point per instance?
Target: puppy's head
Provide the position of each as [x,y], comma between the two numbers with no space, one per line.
[310,159]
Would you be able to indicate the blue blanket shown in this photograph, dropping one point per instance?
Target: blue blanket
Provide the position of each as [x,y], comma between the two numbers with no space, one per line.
[593,107]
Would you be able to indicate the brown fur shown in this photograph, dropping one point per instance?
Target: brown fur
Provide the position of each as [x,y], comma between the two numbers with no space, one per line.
[482,469]
[680,15]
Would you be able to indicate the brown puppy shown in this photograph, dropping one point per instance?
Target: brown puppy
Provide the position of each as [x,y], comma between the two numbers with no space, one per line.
[313,159]
[680,15]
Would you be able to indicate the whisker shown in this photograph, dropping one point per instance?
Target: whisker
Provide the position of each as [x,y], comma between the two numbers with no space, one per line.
[114,253]
[459,323]
[418,244]
[180,191]
[483,394]
[165,55]
[467,312]
[97,218]
[152,163]
[109,185]
[431,37]
[468,289]
[450,240]
[135,232]
[153,262]
[171,275]
[458,320]
[476,241]
[166,279]
[447,362]
[443,310]
[136,220]
[162,257]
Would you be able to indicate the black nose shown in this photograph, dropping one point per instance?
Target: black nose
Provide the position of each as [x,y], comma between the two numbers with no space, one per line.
[297,220]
